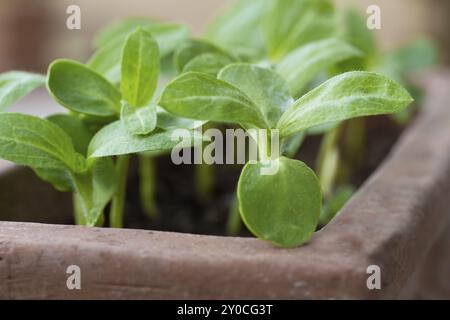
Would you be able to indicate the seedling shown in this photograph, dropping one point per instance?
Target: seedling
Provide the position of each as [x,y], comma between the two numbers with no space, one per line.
[399,64]
[282,208]
[254,69]
[75,152]
[106,60]
[298,38]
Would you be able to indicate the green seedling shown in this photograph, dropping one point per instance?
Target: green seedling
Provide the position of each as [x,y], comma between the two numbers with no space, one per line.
[107,60]
[297,38]
[282,208]
[350,137]
[275,65]
[74,152]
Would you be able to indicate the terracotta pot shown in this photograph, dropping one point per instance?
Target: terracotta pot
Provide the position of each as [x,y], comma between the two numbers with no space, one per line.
[399,221]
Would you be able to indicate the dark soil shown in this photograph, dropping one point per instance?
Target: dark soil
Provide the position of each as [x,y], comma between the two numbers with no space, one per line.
[180,211]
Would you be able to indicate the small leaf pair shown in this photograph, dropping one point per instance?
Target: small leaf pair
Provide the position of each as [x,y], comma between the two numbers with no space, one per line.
[257,97]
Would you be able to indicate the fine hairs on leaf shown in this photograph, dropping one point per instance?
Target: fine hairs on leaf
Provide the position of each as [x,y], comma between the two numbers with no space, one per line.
[16,84]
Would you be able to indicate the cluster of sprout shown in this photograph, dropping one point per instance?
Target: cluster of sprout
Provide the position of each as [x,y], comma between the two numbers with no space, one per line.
[297,67]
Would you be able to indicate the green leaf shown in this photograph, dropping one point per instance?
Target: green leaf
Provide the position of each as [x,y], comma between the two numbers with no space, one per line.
[119,30]
[357,34]
[191,49]
[210,63]
[76,129]
[263,86]
[80,135]
[14,85]
[168,121]
[292,144]
[168,36]
[201,96]
[292,23]
[107,59]
[38,143]
[95,189]
[140,68]
[81,89]
[282,208]
[416,56]
[303,64]
[239,29]
[60,179]
[349,95]
[140,121]
[114,140]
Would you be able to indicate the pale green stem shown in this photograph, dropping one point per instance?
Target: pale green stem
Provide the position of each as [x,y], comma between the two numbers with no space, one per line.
[147,176]
[204,181]
[118,202]
[328,160]
[79,214]
[234,222]
[204,177]
[78,211]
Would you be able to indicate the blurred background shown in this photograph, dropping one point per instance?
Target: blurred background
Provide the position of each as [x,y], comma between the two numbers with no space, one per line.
[33,32]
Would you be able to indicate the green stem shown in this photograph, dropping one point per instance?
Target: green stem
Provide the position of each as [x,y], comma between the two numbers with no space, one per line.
[328,160]
[204,181]
[118,202]
[204,176]
[234,222]
[147,176]
[79,214]
[78,211]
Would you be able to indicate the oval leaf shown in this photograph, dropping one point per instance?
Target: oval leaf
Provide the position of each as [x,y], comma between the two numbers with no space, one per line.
[114,140]
[290,24]
[38,143]
[138,120]
[201,96]
[349,95]
[107,59]
[14,85]
[191,49]
[81,89]
[283,208]
[60,179]
[263,86]
[140,68]
[240,28]
[168,121]
[303,64]
[210,63]
[168,36]
[77,130]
